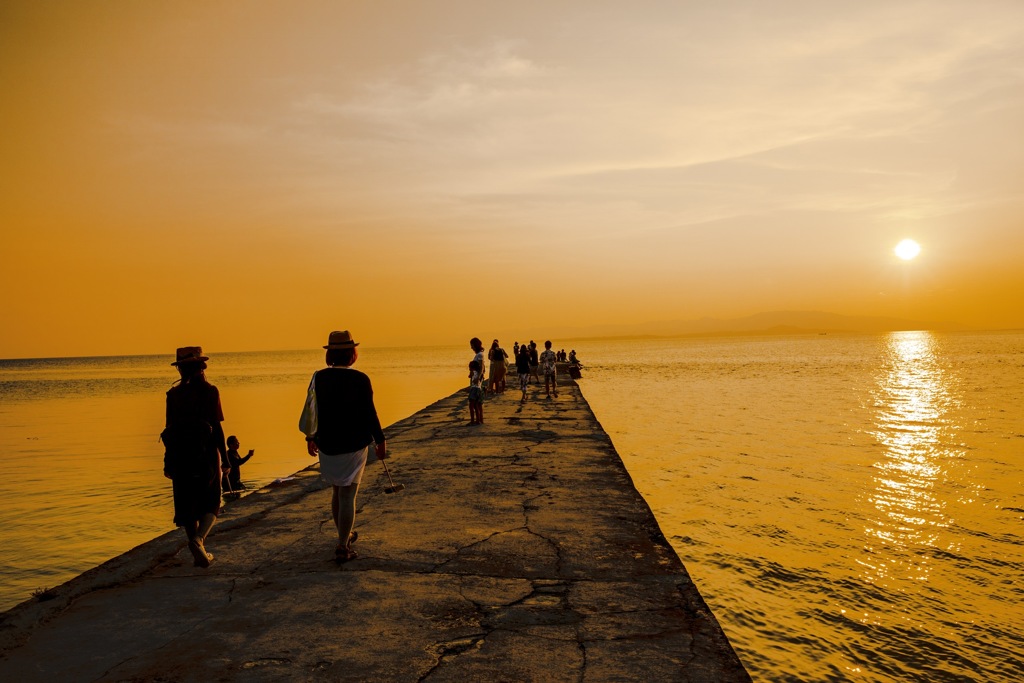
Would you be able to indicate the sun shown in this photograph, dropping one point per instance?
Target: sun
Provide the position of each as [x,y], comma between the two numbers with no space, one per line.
[907,249]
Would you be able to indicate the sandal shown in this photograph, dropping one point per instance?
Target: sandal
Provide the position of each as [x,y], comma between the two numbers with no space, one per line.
[199,554]
[342,554]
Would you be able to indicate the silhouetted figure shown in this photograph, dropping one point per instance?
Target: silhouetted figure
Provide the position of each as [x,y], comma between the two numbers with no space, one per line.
[341,425]
[476,393]
[574,365]
[194,447]
[232,465]
[534,361]
[523,369]
[478,351]
[499,366]
[547,363]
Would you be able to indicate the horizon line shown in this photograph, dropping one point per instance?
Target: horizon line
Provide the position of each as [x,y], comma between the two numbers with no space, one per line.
[775,331]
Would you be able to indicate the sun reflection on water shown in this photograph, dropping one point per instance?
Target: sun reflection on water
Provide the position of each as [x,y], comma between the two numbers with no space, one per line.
[912,402]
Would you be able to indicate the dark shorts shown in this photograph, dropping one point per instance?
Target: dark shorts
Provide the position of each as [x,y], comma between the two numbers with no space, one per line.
[476,394]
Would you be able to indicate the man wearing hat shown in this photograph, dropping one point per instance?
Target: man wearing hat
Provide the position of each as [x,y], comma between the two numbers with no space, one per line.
[194,443]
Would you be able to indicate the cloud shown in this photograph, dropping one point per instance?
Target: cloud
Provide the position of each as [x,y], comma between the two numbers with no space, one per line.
[627,120]
[437,90]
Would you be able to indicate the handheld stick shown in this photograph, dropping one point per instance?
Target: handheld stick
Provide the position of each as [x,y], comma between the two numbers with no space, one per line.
[393,488]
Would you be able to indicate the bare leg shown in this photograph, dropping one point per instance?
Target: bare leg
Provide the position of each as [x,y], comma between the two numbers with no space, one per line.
[343,504]
[334,506]
[197,532]
[205,525]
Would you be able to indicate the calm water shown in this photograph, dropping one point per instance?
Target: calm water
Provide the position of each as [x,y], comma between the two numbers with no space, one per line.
[850,507]
[82,464]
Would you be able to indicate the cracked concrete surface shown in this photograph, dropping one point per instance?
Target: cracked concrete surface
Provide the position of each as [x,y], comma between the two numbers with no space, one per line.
[518,551]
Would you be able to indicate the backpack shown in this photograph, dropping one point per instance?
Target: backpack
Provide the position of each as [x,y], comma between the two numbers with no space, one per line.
[187,449]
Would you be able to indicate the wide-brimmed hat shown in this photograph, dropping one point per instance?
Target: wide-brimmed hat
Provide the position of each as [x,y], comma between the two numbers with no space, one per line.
[190,354]
[341,340]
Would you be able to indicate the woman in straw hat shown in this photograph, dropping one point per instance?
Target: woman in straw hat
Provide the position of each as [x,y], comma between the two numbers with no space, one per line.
[341,424]
[194,442]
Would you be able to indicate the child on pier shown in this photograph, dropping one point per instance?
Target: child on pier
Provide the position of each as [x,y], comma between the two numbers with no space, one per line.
[476,393]
[547,362]
[523,368]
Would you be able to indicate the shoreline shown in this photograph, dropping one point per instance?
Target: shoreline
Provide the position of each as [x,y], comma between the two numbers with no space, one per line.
[519,548]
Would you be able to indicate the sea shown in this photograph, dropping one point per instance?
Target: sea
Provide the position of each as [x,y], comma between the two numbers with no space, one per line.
[850,506]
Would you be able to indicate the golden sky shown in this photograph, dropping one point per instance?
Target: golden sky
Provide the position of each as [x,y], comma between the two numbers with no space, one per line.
[251,175]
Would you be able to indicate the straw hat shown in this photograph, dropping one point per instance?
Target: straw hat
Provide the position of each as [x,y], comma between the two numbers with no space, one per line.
[190,354]
[341,340]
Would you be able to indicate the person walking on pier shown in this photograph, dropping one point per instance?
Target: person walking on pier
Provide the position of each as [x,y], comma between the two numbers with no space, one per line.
[523,369]
[534,361]
[478,351]
[341,424]
[547,362]
[499,366]
[194,447]
[476,393]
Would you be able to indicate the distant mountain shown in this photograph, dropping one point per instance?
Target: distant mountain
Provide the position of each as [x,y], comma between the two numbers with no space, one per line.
[772,323]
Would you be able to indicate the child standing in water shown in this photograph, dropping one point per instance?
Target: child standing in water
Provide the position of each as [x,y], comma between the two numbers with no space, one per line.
[232,466]
[476,393]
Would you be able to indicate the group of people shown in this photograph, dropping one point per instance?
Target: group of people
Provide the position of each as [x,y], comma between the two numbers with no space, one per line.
[339,420]
[562,357]
[529,364]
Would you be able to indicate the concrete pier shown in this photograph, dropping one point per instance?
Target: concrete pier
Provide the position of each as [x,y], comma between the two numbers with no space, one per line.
[518,551]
